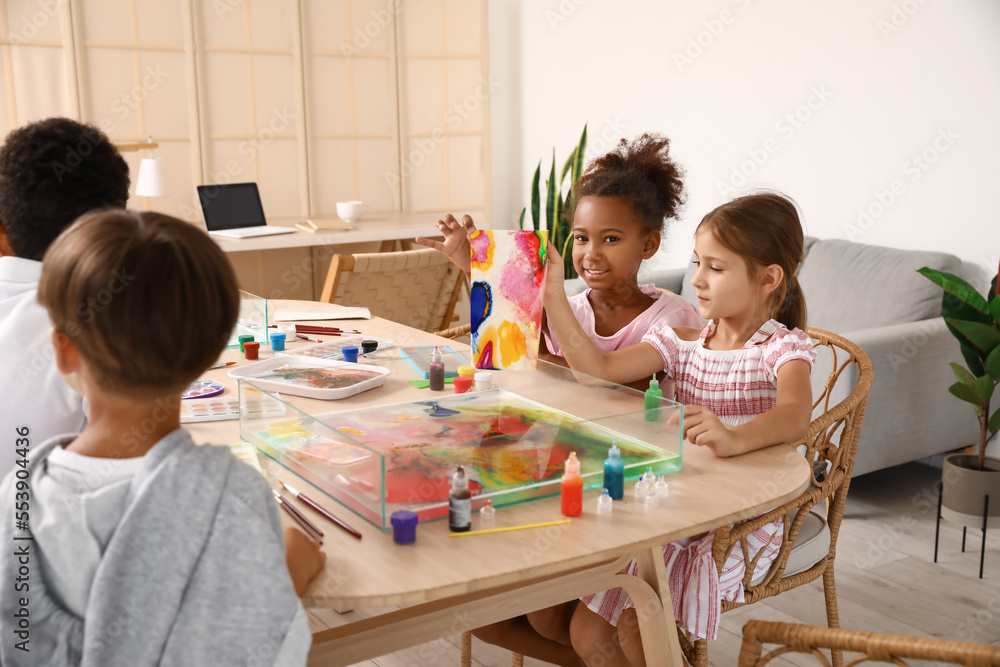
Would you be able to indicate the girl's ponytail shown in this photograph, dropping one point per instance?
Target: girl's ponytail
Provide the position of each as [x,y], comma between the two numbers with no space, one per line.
[791,309]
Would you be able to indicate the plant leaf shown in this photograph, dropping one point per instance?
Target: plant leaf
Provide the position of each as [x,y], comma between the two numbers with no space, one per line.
[520,222]
[992,364]
[982,336]
[984,389]
[567,254]
[963,375]
[550,196]
[994,424]
[581,149]
[966,393]
[570,161]
[957,287]
[535,219]
[995,307]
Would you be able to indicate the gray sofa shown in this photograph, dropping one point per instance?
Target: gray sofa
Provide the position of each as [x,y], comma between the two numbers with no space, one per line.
[873,296]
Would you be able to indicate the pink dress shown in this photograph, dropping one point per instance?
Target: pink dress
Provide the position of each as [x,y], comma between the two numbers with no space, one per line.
[737,385]
[671,309]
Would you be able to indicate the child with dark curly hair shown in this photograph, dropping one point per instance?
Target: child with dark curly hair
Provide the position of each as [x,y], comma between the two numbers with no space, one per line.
[51,172]
[619,208]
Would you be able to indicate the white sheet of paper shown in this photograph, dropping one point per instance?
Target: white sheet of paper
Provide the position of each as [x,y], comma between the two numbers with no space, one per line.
[320,311]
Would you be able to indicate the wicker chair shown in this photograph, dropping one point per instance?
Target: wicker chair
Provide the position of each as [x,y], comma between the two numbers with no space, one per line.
[831,444]
[873,647]
[455,332]
[418,288]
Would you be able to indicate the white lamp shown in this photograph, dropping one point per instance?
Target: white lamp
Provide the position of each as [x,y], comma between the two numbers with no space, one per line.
[152,180]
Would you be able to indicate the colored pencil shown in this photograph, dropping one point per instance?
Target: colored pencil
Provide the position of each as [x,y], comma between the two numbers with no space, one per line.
[306,524]
[509,528]
[313,504]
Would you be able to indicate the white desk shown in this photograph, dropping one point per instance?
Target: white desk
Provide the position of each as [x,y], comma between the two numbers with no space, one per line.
[392,226]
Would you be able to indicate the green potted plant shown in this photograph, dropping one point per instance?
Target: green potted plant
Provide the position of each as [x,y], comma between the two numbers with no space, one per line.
[560,229]
[974,320]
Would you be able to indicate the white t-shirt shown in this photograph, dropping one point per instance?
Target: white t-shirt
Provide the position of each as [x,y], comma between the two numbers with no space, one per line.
[34,394]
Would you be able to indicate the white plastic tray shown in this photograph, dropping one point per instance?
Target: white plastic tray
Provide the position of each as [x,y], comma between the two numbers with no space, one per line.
[253,371]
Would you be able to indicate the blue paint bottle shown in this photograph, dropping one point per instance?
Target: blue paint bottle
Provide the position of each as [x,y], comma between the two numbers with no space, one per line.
[614,473]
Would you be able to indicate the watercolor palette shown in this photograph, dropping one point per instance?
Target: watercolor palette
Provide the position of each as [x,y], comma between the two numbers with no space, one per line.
[221,409]
[312,377]
[377,460]
[331,349]
[420,358]
[202,389]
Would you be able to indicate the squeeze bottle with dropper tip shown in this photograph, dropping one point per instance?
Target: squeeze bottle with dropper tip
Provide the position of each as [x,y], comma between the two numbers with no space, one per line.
[459,503]
[653,402]
[572,487]
[436,375]
[614,472]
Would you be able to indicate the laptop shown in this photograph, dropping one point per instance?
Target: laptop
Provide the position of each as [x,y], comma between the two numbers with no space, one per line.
[233,210]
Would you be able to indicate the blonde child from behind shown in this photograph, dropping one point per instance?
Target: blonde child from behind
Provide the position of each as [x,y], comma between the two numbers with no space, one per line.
[744,380]
[143,547]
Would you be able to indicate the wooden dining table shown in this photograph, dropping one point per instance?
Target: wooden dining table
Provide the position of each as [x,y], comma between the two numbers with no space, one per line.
[445,586]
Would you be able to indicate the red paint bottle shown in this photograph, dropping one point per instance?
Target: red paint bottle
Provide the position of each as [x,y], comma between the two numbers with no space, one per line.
[572,487]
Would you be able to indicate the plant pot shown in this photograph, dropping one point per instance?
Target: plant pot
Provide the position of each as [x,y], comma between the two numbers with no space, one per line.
[965,487]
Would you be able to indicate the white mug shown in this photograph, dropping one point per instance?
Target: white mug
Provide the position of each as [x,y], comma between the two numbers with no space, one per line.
[351,211]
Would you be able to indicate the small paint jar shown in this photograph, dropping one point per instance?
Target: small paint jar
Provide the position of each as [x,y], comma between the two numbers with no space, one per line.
[484,380]
[251,350]
[288,329]
[462,384]
[244,339]
[277,341]
[404,527]
[350,353]
[466,371]
[368,348]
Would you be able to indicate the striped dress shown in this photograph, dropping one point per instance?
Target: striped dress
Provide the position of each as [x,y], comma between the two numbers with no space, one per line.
[737,385]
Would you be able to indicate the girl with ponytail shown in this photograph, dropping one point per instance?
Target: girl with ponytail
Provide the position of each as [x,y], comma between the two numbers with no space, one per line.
[744,383]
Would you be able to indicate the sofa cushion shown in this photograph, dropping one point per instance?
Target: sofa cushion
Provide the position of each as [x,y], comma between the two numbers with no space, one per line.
[852,286]
[688,292]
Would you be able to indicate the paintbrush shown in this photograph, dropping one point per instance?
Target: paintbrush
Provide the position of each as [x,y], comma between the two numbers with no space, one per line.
[306,524]
[313,504]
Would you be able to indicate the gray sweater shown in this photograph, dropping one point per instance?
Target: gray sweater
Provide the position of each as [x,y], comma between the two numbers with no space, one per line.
[194,572]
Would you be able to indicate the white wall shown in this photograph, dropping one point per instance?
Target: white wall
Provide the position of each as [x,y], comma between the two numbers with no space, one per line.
[887,80]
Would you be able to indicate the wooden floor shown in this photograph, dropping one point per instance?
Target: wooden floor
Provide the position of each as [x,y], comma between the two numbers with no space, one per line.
[886,580]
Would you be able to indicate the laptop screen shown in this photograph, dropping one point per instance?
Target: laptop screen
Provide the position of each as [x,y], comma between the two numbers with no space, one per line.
[231,205]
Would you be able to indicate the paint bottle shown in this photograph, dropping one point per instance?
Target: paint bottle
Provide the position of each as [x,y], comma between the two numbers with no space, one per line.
[487,514]
[459,503]
[614,472]
[653,400]
[436,370]
[278,341]
[662,488]
[368,348]
[466,372]
[483,380]
[462,384]
[572,487]
[251,350]
[350,353]
[604,504]
[244,338]
[404,527]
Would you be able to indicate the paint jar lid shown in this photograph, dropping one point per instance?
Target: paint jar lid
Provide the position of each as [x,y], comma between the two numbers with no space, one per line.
[349,350]
[245,337]
[403,519]
[466,371]
[277,335]
[369,346]
[483,377]
[251,345]
[462,384]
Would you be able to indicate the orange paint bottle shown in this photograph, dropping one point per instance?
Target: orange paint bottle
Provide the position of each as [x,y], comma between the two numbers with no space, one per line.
[572,487]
